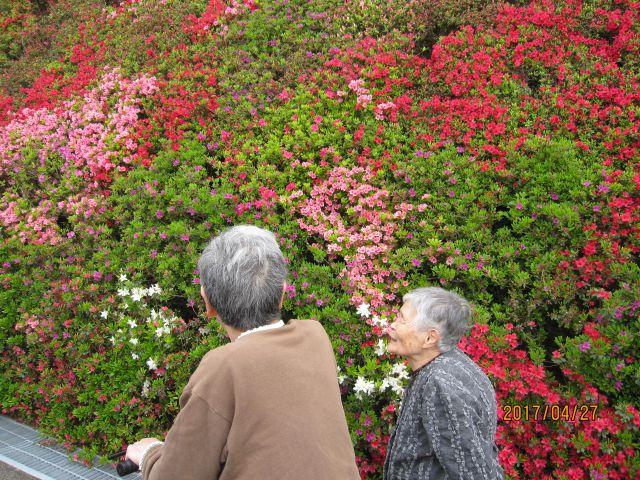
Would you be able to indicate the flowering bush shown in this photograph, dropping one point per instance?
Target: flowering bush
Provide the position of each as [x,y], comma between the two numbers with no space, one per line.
[58,160]
[488,148]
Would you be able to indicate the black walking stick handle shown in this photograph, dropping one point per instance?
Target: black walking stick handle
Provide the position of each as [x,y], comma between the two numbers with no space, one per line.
[124,467]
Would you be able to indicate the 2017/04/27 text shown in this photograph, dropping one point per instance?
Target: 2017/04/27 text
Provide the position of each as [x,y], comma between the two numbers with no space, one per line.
[549,412]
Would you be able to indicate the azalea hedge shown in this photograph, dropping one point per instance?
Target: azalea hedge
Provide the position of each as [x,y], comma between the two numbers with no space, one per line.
[490,148]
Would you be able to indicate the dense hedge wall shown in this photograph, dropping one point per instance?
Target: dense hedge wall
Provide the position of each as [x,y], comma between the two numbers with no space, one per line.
[490,148]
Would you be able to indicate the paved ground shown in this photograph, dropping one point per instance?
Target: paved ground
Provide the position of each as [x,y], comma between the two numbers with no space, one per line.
[7,472]
[26,454]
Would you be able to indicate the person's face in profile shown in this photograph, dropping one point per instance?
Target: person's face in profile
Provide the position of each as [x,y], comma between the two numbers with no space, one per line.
[404,338]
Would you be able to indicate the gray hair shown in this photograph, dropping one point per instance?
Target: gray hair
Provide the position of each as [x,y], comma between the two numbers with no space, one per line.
[242,271]
[443,310]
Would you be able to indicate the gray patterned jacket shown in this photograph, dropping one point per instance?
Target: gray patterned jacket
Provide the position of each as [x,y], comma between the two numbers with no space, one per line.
[447,424]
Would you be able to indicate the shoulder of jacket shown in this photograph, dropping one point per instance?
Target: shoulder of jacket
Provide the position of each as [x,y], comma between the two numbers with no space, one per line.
[214,361]
[310,325]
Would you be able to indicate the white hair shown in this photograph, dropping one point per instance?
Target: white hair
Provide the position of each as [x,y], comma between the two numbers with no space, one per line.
[443,310]
[242,272]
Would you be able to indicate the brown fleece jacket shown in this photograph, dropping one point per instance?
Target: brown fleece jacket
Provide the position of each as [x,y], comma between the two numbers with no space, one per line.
[266,406]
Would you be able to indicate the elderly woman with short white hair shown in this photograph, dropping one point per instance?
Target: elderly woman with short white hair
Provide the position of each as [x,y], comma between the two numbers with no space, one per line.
[266,405]
[446,428]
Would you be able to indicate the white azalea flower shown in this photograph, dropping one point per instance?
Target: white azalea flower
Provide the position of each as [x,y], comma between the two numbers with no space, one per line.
[133,341]
[204,330]
[113,340]
[379,321]
[104,314]
[400,370]
[363,310]
[145,388]
[363,386]
[137,294]
[394,383]
[123,292]
[341,376]
[380,348]
[132,323]
[382,322]
[135,356]
[385,384]
[164,330]
[397,388]
[152,364]
[123,278]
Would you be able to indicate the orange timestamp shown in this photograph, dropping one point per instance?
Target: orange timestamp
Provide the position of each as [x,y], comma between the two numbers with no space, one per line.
[535,412]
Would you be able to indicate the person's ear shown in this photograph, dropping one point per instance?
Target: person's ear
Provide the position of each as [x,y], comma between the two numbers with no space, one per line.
[431,339]
[211,312]
[284,289]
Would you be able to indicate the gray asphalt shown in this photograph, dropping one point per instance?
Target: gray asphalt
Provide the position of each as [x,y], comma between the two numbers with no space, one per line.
[7,472]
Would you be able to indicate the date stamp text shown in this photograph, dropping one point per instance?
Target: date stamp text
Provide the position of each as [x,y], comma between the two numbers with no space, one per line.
[555,413]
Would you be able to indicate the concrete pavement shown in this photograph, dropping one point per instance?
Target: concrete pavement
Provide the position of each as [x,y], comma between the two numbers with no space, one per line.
[7,472]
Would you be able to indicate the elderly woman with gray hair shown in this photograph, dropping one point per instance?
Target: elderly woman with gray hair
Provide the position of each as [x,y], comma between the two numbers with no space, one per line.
[266,405]
[447,424]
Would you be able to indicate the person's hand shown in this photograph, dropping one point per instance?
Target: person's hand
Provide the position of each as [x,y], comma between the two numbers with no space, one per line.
[135,450]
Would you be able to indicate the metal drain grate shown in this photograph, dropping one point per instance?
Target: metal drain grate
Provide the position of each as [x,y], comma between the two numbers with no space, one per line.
[21,447]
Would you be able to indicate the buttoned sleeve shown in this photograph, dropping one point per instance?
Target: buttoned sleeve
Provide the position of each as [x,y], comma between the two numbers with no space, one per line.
[194,446]
[456,432]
